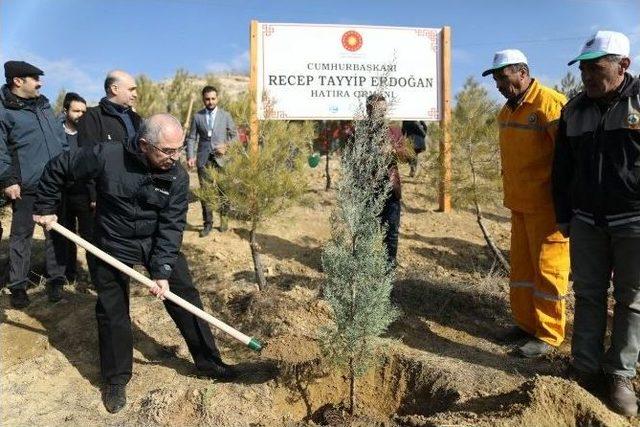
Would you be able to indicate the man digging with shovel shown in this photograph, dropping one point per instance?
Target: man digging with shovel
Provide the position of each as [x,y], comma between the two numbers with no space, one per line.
[141,211]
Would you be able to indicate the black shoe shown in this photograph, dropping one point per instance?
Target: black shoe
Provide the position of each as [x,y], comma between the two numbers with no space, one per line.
[534,348]
[115,397]
[622,398]
[513,335]
[206,230]
[54,291]
[593,382]
[219,371]
[19,298]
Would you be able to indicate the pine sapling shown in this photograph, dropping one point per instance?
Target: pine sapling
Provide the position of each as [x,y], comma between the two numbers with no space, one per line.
[359,279]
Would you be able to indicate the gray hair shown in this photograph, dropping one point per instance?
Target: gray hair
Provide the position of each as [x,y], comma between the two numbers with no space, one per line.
[614,58]
[152,127]
[515,68]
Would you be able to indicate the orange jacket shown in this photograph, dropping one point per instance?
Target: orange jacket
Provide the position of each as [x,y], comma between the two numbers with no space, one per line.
[527,138]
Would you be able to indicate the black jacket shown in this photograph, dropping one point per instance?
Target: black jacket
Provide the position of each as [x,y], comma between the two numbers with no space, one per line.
[596,168]
[140,213]
[76,188]
[102,124]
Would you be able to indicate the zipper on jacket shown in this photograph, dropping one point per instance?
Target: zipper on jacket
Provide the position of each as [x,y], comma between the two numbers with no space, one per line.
[599,152]
[599,130]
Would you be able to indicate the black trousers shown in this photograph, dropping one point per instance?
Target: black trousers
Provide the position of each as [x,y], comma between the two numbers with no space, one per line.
[390,217]
[203,177]
[78,218]
[114,323]
[20,242]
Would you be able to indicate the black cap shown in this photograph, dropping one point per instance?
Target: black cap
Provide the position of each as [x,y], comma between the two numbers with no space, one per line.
[20,69]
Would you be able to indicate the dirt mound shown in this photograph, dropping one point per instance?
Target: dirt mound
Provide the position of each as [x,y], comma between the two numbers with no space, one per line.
[292,350]
[541,401]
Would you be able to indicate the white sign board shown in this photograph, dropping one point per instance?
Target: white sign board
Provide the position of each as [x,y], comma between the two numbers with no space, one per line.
[325,72]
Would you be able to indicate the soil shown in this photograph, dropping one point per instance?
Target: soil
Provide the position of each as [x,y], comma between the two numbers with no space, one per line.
[292,350]
[440,363]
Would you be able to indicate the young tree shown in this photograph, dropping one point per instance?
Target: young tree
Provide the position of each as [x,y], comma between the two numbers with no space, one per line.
[151,98]
[476,178]
[331,138]
[258,184]
[570,86]
[58,105]
[184,88]
[359,279]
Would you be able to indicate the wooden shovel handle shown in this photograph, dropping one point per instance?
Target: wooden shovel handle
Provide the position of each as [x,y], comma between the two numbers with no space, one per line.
[252,343]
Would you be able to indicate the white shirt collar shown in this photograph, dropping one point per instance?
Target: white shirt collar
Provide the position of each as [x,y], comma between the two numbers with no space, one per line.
[67,130]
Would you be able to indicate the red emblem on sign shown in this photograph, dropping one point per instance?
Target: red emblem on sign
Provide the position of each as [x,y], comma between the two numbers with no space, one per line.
[352,40]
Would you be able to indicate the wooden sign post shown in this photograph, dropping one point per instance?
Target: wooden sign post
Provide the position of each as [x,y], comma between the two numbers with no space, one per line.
[253,85]
[444,192]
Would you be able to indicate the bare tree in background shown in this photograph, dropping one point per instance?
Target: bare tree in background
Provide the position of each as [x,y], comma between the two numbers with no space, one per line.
[570,85]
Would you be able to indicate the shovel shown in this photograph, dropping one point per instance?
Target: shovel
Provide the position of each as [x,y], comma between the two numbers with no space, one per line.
[250,342]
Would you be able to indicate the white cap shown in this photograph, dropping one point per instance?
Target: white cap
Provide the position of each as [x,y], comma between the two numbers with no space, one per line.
[604,43]
[505,57]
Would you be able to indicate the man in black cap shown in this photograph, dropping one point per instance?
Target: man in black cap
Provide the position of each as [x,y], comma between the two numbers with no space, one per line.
[30,136]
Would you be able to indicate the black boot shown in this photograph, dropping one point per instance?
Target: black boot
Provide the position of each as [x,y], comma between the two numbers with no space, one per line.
[54,291]
[19,298]
[622,398]
[219,371]
[206,230]
[115,397]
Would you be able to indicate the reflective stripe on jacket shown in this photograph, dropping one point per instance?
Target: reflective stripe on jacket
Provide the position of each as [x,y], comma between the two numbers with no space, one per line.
[527,136]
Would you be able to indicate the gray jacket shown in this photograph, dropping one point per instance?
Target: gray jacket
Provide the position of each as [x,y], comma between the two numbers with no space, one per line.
[30,136]
[224,130]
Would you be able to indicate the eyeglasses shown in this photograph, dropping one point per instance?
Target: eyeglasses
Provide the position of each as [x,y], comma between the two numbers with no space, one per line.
[169,152]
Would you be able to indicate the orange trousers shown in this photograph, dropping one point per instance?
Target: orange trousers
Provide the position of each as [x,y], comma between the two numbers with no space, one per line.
[539,275]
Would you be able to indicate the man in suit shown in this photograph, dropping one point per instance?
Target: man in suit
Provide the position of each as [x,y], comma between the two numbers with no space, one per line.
[212,129]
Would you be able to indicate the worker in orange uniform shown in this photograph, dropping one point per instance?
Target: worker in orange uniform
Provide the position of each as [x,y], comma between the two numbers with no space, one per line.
[539,252]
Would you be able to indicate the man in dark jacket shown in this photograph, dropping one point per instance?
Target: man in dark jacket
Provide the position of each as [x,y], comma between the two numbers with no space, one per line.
[141,213]
[113,119]
[30,135]
[416,130]
[393,146]
[79,197]
[596,189]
